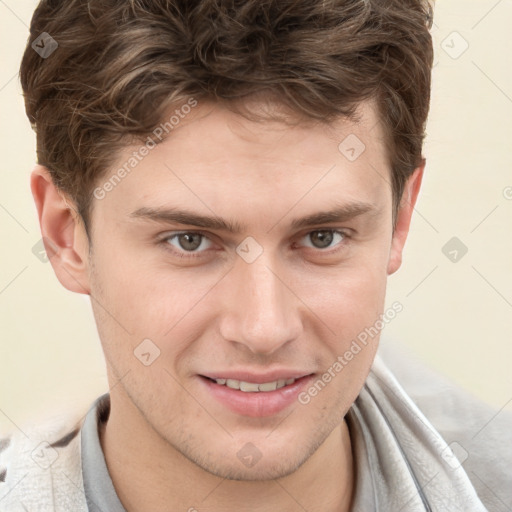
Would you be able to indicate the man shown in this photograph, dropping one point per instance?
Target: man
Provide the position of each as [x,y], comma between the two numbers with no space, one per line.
[232,183]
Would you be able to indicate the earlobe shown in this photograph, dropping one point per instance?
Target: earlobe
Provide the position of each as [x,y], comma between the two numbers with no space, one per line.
[64,236]
[404,215]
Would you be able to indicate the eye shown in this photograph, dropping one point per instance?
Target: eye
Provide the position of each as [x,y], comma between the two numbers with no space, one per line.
[325,238]
[188,242]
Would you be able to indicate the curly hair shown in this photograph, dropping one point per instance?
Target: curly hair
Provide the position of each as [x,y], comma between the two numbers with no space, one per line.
[121,64]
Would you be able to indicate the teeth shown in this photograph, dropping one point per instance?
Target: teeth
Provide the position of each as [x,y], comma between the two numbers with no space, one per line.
[232,383]
[268,386]
[252,386]
[247,386]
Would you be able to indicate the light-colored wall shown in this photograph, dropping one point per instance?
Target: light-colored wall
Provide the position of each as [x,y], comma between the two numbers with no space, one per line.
[457,315]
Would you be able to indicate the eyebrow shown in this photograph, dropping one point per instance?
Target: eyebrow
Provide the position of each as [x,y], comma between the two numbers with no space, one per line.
[340,213]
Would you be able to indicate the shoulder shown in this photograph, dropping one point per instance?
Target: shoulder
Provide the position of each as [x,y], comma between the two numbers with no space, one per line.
[479,435]
[40,466]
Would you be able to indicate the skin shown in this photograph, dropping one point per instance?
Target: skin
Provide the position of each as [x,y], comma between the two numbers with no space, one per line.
[168,444]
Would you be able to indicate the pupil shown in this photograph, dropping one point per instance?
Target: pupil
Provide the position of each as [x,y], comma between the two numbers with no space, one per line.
[190,241]
[324,237]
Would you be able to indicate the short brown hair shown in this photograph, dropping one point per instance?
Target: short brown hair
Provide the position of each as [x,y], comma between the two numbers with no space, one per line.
[120,64]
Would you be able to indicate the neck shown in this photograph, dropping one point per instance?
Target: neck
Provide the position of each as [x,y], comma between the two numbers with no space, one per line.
[150,474]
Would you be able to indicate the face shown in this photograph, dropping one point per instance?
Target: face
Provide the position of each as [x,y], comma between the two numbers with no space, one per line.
[264,287]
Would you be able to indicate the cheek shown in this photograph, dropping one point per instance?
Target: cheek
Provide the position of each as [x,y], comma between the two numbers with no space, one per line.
[137,299]
[349,295]
[354,314]
[350,310]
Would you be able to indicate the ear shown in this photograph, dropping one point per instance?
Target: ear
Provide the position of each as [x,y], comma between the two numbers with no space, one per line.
[403,220]
[64,236]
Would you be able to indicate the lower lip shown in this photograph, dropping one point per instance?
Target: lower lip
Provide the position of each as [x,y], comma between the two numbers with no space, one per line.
[256,404]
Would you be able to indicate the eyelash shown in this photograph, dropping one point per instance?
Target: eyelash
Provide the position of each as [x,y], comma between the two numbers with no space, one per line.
[187,254]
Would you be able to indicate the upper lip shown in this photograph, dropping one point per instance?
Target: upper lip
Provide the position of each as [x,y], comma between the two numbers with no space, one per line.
[257,378]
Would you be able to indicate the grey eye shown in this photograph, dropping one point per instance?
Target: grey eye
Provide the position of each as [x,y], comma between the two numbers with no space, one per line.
[322,239]
[188,242]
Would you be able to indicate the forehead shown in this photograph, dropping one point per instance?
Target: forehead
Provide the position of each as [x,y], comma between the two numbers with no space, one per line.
[297,140]
[215,159]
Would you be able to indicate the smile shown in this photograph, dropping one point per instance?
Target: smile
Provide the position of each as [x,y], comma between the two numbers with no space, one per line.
[253,387]
[254,399]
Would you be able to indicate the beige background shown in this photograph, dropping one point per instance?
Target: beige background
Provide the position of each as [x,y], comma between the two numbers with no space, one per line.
[457,316]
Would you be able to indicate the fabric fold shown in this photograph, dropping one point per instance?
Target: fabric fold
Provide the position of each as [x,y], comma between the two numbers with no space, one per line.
[410,466]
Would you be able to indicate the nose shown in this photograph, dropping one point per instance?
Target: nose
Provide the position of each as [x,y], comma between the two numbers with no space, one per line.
[261,311]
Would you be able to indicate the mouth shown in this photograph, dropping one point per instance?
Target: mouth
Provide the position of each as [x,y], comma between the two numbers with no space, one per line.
[254,399]
[253,387]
